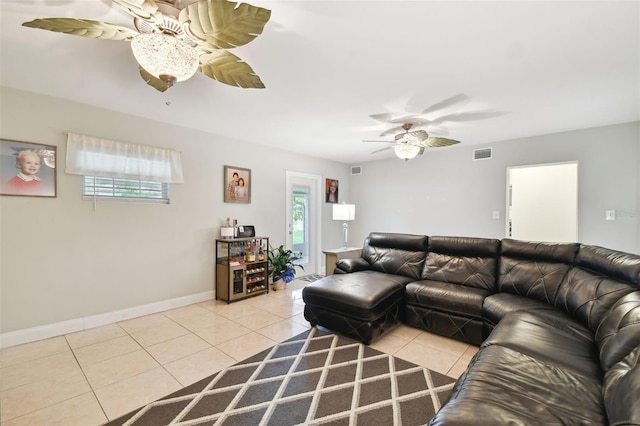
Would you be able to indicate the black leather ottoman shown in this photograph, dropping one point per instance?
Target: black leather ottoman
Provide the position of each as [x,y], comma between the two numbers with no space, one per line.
[362,308]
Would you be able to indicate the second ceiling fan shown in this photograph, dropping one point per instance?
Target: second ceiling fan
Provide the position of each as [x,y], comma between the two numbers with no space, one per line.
[409,144]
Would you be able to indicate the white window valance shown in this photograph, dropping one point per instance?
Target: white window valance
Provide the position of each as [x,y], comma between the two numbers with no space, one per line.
[91,156]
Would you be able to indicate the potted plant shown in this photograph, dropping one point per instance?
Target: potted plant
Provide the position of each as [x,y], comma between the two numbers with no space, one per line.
[281,267]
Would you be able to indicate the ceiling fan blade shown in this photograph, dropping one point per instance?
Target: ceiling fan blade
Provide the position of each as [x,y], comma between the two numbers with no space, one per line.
[83,27]
[416,136]
[400,119]
[392,131]
[227,68]
[421,150]
[384,117]
[468,116]
[147,10]
[413,119]
[433,142]
[382,149]
[438,131]
[154,82]
[222,24]
[446,103]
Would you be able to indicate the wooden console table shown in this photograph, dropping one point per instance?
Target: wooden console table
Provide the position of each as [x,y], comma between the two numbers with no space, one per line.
[332,256]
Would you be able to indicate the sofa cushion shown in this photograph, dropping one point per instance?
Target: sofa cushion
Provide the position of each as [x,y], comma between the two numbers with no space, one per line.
[496,306]
[446,297]
[534,270]
[398,254]
[588,296]
[505,387]
[347,266]
[550,340]
[471,262]
[364,295]
[616,264]
[619,330]
[622,390]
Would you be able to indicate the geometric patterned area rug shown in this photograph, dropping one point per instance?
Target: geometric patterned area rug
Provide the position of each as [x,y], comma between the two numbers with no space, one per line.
[314,378]
[311,278]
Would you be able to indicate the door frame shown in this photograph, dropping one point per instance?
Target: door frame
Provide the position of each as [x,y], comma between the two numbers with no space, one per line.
[534,166]
[316,212]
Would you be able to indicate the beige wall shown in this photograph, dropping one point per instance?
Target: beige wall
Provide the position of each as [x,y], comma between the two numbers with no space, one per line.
[61,260]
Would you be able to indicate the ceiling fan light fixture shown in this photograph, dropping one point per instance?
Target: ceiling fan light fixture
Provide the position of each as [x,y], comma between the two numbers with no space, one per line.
[406,151]
[165,57]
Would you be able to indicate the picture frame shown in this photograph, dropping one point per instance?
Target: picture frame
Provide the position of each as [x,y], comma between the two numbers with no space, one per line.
[27,169]
[331,190]
[237,185]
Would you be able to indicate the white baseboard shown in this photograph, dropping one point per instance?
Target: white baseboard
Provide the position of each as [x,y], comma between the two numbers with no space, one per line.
[19,337]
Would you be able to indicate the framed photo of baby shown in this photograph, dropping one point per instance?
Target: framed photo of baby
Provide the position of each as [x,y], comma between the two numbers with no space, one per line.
[237,185]
[27,169]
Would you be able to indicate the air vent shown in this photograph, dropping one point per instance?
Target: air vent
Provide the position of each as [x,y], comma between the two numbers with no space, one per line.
[482,154]
[356,170]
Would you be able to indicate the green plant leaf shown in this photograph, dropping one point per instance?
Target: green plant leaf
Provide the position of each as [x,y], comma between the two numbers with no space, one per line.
[281,260]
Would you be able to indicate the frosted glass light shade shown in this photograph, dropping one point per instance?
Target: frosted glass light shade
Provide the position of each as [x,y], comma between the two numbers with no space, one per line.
[406,151]
[165,56]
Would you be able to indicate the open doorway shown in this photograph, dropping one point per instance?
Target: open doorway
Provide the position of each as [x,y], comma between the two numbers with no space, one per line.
[542,202]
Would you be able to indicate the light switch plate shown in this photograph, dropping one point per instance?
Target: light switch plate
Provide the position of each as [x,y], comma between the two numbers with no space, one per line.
[496,214]
[609,215]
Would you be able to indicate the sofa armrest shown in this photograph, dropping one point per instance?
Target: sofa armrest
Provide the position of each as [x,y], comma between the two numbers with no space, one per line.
[346,266]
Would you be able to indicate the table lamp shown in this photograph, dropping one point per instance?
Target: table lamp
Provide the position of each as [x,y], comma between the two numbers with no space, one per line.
[345,213]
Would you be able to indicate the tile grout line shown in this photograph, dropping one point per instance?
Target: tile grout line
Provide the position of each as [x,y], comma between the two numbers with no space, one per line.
[84,374]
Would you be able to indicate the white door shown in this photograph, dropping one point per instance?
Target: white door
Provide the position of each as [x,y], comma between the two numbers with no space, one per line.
[543,202]
[303,219]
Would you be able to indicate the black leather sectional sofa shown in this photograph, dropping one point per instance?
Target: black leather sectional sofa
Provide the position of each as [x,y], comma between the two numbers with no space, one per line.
[558,325]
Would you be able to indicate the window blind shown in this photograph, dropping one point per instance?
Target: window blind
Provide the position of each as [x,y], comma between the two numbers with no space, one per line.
[91,156]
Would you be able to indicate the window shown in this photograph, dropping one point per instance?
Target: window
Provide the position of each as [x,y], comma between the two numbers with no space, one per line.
[113,170]
[105,188]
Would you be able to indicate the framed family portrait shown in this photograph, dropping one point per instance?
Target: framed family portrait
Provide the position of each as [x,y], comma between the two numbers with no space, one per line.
[237,185]
[332,190]
[27,169]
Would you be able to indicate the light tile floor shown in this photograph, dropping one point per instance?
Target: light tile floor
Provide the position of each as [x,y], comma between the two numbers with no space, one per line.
[93,376]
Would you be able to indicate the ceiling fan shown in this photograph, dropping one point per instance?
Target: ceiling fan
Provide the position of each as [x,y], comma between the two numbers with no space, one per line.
[409,144]
[172,42]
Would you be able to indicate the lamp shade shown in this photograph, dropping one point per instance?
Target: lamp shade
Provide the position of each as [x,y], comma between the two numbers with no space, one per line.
[344,212]
[406,151]
[165,57]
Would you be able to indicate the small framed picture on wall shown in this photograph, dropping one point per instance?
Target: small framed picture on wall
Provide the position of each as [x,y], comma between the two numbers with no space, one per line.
[27,169]
[332,190]
[237,185]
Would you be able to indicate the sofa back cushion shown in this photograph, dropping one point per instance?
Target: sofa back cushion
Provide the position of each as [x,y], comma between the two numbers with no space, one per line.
[470,262]
[534,269]
[599,278]
[619,330]
[621,390]
[399,254]
[615,264]
[618,338]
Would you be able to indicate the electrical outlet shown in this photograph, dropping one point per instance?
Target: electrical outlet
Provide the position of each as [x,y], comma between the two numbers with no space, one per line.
[496,214]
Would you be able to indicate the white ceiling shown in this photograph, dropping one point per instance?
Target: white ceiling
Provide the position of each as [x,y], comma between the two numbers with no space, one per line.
[536,67]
